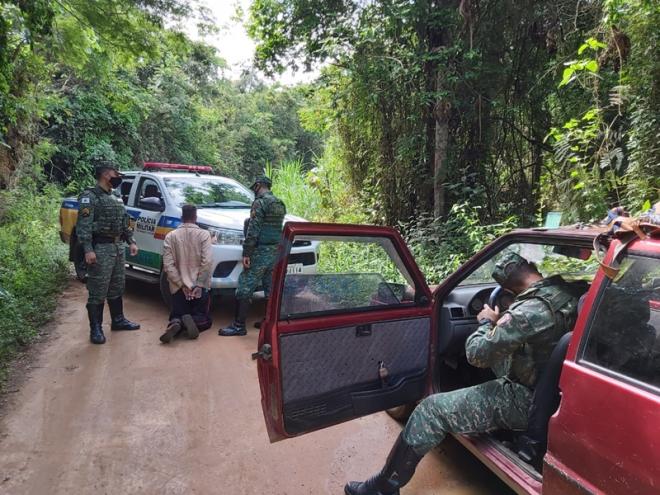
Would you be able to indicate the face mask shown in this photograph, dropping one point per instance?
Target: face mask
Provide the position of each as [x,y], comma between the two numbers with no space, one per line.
[115,181]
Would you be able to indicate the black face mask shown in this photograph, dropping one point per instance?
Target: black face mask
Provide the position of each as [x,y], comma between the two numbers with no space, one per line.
[115,182]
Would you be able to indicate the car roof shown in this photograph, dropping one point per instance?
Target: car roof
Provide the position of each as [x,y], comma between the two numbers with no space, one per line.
[177,174]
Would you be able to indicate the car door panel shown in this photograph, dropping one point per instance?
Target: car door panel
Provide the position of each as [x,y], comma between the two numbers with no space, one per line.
[329,375]
[329,362]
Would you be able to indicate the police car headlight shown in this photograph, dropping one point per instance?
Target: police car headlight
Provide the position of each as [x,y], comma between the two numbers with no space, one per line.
[226,236]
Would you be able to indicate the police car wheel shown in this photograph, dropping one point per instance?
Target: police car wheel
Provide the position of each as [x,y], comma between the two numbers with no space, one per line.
[165,290]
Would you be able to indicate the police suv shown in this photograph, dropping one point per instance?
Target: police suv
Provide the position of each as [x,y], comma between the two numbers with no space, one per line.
[153,198]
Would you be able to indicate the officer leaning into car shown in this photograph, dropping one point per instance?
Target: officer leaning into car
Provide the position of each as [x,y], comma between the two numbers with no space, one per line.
[259,251]
[103,229]
[515,345]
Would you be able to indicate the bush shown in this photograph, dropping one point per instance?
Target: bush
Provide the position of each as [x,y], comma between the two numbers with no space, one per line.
[33,267]
[441,247]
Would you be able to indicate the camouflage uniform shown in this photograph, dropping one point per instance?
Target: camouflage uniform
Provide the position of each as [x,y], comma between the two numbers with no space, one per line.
[261,241]
[516,349]
[101,215]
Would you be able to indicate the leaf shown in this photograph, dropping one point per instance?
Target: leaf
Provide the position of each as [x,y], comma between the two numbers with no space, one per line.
[567,76]
[647,205]
[578,186]
[592,66]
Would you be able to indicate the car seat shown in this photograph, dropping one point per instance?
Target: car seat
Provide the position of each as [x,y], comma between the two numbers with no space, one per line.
[151,191]
[531,445]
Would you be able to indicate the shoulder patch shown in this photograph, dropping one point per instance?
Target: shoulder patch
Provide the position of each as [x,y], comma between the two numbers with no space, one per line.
[84,212]
[85,200]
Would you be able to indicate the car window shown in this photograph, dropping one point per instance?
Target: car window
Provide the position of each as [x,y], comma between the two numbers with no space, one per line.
[572,263]
[208,192]
[624,334]
[149,188]
[353,273]
[125,189]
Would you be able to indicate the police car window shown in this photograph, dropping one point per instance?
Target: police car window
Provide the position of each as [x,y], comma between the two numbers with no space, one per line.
[573,263]
[351,273]
[624,335]
[208,192]
[148,189]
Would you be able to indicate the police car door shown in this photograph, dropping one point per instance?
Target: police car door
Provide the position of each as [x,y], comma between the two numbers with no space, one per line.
[148,207]
[351,339]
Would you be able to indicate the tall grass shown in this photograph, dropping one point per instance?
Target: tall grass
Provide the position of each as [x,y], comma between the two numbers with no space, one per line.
[290,184]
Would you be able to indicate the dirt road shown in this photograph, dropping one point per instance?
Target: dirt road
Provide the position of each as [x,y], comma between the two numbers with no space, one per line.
[138,417]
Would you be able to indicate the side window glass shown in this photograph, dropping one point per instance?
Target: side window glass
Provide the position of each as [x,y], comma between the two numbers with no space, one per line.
[352,273]
[149,194]
[125,190]
[624,335]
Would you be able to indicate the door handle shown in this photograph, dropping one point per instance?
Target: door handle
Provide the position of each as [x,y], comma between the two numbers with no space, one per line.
[266,353]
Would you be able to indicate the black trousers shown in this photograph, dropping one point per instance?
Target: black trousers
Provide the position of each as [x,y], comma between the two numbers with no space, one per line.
[199,309]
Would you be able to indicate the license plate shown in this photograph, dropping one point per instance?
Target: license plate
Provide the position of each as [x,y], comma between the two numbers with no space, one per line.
[294,268]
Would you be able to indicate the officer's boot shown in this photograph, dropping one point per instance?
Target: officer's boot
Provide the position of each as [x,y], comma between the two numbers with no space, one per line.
[257,324]
[119,321]
[238,327]
[399,468]
[95,315]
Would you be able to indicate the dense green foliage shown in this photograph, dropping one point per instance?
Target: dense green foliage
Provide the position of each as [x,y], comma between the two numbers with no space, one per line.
[441,102]
[33,263]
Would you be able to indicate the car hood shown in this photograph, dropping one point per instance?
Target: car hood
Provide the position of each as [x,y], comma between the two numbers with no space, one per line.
[230,218]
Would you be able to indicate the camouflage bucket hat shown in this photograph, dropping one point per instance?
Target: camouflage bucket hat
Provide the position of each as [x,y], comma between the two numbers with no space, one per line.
[101,165]
[509,263]
[261,179]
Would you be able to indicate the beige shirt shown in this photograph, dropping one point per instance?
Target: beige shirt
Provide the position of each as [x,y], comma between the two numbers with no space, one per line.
[187,257]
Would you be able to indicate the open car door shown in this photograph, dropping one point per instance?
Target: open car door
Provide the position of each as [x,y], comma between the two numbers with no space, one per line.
[351,339]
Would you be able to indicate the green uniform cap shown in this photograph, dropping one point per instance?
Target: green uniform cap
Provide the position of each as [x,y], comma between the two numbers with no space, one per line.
[262,179]
[509,263]
[102,164]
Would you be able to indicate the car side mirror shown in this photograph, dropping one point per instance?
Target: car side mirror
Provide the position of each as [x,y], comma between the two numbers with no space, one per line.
[152,204]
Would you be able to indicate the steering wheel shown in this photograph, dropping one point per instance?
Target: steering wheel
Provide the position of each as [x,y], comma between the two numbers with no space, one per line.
[501,297]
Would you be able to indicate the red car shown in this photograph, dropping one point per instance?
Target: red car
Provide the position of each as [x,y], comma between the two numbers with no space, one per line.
[366,334]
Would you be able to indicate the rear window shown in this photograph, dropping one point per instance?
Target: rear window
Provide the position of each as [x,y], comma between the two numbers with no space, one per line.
[624,335]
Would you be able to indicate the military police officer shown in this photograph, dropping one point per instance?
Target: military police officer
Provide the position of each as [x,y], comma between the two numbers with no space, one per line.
[102,229]
[259,251]
[515,344]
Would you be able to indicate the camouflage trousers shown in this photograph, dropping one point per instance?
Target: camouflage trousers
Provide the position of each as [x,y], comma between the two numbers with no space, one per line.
[106,277]
[497,404]
[259,274]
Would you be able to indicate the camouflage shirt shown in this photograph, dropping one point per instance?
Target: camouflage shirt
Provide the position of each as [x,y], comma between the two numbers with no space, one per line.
[100,213]
[521,342]
[265,226]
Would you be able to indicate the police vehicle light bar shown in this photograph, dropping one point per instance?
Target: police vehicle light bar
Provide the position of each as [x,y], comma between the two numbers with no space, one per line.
[204,169]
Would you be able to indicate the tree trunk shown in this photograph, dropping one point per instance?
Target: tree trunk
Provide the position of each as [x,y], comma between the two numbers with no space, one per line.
[441,114]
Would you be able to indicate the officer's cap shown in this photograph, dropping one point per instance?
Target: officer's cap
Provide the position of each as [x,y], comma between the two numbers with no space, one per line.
[261,179]
[103,164]
[510,263]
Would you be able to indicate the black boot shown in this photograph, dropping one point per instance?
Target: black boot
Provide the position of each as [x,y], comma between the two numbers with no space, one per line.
[192,332]
[399,468]
[119,321]
[238,327]
[258,324]
[95,315]
[173,329]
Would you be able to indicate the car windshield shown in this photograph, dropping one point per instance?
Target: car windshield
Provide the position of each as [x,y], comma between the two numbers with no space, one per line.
[209,192]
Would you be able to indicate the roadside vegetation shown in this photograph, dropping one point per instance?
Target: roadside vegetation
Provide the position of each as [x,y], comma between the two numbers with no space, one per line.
[453,121]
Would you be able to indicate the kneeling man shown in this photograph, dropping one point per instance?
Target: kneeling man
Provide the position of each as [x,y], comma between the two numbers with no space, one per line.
[187,261]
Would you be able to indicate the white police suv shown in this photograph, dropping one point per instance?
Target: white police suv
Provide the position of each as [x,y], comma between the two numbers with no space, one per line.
[153,198]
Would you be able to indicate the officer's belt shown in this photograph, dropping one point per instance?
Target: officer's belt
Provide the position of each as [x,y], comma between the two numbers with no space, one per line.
[105,239]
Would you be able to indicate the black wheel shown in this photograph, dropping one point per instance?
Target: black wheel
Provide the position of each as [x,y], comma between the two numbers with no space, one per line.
[401,413]
[165,290]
